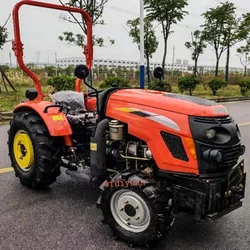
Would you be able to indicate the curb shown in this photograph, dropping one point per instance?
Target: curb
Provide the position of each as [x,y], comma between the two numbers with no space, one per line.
[7,116]
[230,99]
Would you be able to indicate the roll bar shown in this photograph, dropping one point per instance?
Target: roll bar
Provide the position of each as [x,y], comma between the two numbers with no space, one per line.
[17,44]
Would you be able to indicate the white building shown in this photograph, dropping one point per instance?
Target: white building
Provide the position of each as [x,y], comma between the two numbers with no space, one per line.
[178,61]
[114,63]
[65,62]
[129,64]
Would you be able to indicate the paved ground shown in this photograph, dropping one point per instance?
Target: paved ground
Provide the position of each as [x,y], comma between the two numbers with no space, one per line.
[65,217]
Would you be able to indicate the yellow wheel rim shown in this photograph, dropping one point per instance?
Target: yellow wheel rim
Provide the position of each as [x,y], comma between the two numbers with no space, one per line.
[23,150]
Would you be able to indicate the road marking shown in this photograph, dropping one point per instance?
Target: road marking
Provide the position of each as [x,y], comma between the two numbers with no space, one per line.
[244,124]
[6,170]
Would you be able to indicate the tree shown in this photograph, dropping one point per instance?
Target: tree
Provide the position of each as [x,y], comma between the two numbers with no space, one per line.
[95,8]
[150,40]
[167,13]
[189,83]
[50,70]
[197,47]
[4,33]
[3,36]
[217,29]
[244,85]
[244,51]
[216,84]
[3,40]
[237,31]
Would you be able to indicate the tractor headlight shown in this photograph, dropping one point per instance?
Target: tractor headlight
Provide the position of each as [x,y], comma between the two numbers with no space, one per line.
[213,155]
[216,155]
[211,133]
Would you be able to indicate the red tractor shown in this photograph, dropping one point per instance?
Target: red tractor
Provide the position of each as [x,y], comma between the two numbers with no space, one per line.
[152,154]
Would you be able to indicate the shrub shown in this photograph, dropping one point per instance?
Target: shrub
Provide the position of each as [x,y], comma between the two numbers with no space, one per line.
[60,83]
[216,84]
[163,86]
[113,81]
[188,83]
[244,85]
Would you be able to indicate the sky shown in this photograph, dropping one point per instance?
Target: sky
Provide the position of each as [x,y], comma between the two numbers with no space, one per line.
[40,29]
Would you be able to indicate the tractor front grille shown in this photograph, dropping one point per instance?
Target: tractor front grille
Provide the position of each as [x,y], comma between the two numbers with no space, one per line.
[175,146]
[230,158]
[214,120]
[227,141]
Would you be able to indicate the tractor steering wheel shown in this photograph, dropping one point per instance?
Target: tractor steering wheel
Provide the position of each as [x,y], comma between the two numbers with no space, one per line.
[94,93]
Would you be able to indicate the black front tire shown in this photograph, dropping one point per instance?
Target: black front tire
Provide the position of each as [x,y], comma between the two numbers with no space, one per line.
[46,164]
[161,219]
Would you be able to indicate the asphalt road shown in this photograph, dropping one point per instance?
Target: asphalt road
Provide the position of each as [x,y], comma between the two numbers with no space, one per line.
[64,216]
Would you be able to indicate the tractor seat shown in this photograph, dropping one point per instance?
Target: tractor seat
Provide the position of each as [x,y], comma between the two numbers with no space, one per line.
[70,100]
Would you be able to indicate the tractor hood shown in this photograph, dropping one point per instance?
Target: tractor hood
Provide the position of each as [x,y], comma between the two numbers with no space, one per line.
[177,103]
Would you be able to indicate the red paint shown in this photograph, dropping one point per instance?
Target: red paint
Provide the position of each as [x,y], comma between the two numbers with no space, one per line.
[149,131]
[68,141]
[158,99]
[91,104]
[56,127]
[78,85]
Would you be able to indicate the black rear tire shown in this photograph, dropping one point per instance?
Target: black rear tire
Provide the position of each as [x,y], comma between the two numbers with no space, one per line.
[45,166]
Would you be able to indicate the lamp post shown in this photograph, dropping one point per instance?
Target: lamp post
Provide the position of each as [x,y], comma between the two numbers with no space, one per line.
[142,68]
[56,62]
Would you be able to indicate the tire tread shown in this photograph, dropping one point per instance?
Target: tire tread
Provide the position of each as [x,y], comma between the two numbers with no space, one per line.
[44,172]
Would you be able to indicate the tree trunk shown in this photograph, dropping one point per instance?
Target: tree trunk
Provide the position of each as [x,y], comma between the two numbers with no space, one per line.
[217,66]
[227,65]
[245,71]
[195,66]
[148,69]
[164,54]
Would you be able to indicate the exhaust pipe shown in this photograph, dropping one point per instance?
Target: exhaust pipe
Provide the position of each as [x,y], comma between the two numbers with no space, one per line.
[98,156]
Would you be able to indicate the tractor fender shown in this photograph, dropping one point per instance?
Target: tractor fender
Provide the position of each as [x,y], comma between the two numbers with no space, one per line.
[55,120]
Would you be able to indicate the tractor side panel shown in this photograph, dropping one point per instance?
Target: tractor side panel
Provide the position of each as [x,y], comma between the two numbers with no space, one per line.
[148,123]
[55,121]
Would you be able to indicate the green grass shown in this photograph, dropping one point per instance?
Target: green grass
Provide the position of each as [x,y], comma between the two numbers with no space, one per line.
[9,100]
[230,91]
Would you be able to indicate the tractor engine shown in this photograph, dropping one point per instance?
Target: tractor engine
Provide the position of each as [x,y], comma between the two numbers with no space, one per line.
[117,151]
[120,146]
